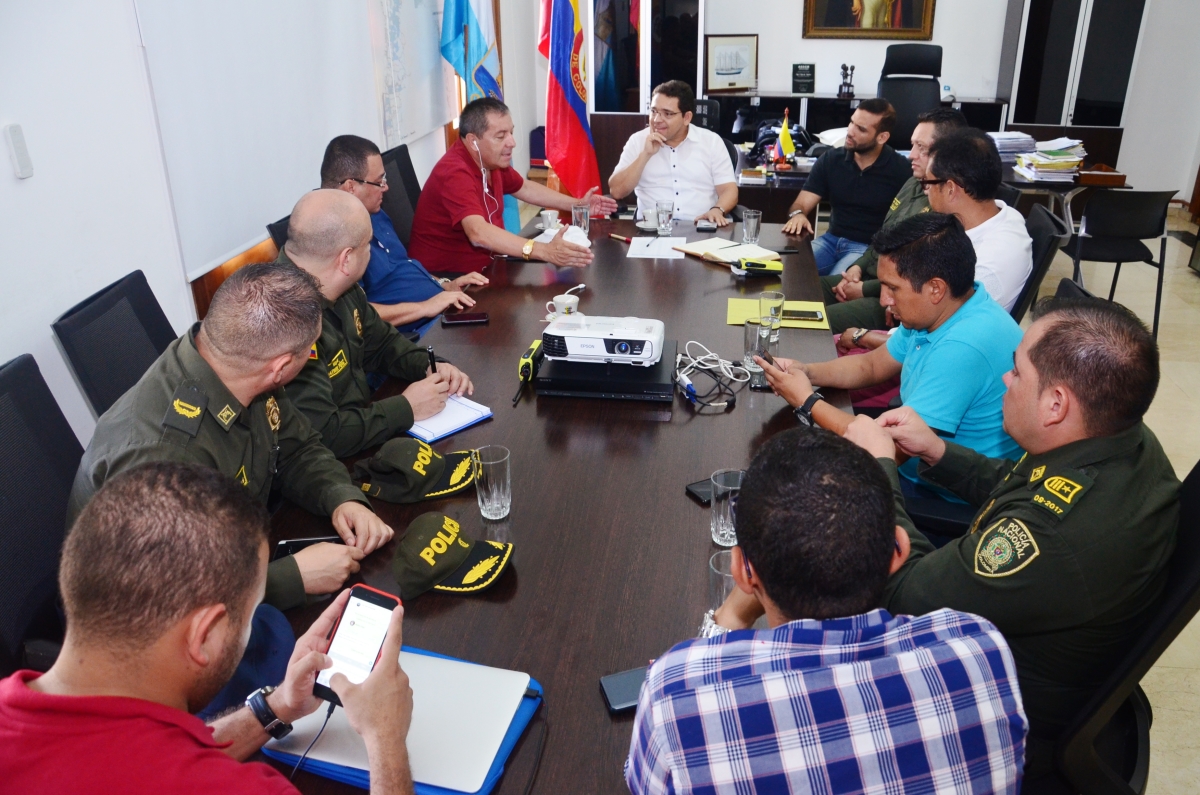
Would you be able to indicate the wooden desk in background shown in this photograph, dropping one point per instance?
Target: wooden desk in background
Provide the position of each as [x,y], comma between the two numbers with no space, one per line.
[610,562]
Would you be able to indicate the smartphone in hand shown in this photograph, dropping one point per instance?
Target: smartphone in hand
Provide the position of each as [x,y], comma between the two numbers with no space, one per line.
[357,638]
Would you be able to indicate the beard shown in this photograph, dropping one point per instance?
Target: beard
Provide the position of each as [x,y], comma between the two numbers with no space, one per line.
[217,675]
[861,148]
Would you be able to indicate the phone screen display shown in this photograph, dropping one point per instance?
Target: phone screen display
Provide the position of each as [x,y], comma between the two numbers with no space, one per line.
[464,317]
[356,643]
[621,690]
[798,314]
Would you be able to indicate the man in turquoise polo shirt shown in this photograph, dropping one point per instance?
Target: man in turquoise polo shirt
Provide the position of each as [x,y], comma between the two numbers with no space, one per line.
[953,348]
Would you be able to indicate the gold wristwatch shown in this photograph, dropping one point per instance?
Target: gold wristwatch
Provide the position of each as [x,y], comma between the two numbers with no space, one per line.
[527,250]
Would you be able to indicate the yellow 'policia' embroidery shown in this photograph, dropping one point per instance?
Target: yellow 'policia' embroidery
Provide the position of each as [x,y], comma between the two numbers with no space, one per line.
[338,363]
[186,409]
[479,569]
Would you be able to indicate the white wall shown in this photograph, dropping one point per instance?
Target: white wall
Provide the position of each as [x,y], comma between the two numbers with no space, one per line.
[425,152]
[969,31]
[1162,115]
[97,207]
[525,72]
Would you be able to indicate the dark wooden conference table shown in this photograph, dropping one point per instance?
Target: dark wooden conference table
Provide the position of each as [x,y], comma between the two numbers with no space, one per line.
[610,556]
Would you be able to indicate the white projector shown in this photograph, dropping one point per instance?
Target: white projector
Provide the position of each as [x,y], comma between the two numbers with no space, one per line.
[625,340]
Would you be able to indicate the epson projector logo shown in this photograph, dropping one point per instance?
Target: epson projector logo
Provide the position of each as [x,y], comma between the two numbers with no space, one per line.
[587,345]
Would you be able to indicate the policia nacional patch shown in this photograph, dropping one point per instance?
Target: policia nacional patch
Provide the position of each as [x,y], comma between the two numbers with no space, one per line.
[1005,548]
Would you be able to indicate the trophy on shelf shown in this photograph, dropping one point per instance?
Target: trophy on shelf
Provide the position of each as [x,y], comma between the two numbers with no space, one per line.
[846,89]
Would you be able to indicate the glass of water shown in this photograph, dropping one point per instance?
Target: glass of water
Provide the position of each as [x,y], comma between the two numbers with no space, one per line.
[581,215]
[751,224]
[493,481]
[770,305]
[720,578]
[726,483]
[751,346]
[665,212]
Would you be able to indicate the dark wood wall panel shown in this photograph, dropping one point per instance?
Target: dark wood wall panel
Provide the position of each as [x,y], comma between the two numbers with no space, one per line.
[610,131]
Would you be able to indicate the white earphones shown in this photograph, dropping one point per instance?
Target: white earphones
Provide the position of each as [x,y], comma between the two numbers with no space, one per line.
[487,191]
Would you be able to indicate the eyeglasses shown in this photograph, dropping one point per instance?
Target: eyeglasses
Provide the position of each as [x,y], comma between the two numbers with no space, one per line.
[381,184]
[655,113]
[929,183]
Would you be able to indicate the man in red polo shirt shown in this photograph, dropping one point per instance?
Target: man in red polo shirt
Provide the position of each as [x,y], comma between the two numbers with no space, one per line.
[160,576]
[459,222]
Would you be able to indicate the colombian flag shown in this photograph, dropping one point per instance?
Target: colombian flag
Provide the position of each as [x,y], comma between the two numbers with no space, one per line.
[568,135]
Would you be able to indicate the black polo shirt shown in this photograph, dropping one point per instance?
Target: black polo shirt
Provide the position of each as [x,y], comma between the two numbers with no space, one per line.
[860,199]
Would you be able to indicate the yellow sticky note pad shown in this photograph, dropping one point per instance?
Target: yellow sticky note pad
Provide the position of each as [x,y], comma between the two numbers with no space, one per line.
[742,309]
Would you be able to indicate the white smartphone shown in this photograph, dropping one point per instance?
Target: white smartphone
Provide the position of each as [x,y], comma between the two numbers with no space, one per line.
[357,638]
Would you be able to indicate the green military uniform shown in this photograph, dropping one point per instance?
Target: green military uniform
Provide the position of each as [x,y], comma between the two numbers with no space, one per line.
[332,390]
[181,411]
[1067,556]
[866,312]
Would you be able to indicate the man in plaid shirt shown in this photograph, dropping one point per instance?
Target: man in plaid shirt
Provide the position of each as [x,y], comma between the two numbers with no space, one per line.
[836,696]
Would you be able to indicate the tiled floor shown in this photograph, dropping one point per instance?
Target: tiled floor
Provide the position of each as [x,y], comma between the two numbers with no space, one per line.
[1173,685]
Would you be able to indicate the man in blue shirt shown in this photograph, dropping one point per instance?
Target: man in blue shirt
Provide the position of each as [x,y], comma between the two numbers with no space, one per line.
[836,695]
[951,353]
[401,290]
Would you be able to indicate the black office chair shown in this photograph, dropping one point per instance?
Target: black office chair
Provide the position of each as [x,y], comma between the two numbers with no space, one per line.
[279,231]
[38,458]
[911,81]
[1069,288]
[1008,194]
[1116,222]
[708,115]
[733,154]
[1049,233]
[112,338]
[400,200]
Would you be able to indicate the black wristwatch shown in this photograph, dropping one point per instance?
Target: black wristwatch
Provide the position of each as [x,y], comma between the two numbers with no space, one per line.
[272,725]
[804,412]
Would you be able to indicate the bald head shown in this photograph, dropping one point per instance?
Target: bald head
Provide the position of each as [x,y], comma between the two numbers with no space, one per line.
[325,223]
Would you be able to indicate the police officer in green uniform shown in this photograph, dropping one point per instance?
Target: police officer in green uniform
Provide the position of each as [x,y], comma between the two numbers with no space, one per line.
[215,397]
[1068,553]
[329,236]
[852,298]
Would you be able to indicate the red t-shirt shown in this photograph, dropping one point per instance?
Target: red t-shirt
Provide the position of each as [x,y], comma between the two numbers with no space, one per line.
[454,191]
[112,744]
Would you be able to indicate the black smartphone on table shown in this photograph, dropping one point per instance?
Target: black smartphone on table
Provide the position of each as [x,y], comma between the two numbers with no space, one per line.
[700,491]
[293,545]
[357,638]
[803,314]
[621,690]
[463,318]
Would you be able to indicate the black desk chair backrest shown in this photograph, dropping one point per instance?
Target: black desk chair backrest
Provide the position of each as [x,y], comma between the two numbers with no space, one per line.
[1049,234]
[1069,288]
[1077,757]
[38,458]
[708,115]
[733,155]
[1129,214]
[112,338]
[404,190]
[911,81]
[1008,194]
[279,231]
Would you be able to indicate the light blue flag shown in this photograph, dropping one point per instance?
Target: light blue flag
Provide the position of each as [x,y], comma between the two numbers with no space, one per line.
[469,44]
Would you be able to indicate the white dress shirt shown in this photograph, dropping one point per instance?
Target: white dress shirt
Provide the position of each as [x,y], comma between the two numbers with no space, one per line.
[1003,255]
[687,175]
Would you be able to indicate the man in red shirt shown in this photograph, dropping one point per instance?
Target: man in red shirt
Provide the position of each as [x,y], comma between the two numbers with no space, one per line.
[459,222]
[160,576]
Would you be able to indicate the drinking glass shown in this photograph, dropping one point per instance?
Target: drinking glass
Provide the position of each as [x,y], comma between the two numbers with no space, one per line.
[751,224]
[770,304]
[726,483]
[493,481]
[750,346]
[581,215]
[665,212]
[720,578]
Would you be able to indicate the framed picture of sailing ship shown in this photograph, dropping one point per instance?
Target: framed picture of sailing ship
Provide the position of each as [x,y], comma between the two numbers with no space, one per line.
[868,19]
[730,63]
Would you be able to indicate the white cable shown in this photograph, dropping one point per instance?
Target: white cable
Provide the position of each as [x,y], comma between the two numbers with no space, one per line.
[689,363]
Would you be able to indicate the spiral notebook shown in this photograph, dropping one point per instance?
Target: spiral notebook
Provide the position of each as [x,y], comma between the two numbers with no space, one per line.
[459,413]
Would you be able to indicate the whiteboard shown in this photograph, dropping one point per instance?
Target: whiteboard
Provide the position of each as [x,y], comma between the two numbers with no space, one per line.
[247,95]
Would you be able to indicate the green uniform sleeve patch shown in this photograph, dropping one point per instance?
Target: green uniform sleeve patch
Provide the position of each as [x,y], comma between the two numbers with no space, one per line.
[186,411]
[1005,548]
[1058,494]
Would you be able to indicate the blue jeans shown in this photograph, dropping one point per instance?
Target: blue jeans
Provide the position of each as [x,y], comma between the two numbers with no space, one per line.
[263,663]
[834,254]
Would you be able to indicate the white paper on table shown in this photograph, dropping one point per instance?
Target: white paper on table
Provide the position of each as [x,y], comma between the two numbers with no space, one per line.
[656,248]
[459,413]
[573,235]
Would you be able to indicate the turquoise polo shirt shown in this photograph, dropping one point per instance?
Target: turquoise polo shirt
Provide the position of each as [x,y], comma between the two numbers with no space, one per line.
[954,377]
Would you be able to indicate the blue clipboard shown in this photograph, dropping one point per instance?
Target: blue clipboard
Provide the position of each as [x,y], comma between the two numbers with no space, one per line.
[361,778]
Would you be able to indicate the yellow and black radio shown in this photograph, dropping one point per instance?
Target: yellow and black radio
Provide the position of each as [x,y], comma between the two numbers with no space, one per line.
[761,265]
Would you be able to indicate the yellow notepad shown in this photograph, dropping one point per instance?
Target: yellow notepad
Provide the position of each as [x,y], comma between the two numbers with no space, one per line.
[742,309]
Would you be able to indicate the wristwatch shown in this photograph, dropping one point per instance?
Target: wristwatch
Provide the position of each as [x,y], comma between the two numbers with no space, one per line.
[445,280]
[527,250]
[858,335]
[272,725]
[709,628]
[804,412]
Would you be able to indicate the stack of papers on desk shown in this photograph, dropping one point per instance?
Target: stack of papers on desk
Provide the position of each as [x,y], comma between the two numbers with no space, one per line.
[1051,165]
[1010,144]
[719,249]
[1070,145]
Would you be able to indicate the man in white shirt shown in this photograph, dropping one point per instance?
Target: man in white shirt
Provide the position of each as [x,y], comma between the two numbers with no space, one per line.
[962,177]
[673,160]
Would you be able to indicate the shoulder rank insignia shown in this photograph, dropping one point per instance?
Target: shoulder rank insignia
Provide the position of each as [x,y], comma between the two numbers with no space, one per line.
[1005,548]
[895,205]
[358,323]
[1036,474]
[273,413]
[1058,494]
[186,411]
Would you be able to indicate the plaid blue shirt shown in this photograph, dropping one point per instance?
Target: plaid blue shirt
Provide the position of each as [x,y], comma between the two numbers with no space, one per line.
[868,704]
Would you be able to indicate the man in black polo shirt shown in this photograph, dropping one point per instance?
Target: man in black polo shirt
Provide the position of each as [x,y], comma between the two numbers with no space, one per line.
[860,181]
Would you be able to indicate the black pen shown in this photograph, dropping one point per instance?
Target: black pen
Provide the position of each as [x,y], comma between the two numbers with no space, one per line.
[432,361]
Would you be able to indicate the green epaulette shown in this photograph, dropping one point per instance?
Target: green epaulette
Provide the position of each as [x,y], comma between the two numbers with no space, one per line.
[187,409]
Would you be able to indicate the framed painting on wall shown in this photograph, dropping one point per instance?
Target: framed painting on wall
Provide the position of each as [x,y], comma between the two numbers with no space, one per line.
[730,63]
[868,19]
